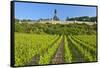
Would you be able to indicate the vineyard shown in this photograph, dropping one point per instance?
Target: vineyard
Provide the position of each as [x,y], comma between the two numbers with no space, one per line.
[47,34]
[39,49]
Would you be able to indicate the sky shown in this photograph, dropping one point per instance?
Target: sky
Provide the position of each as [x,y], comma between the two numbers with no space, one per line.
[34,11]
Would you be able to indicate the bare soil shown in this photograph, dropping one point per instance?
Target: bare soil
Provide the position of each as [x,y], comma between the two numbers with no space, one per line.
[59,56]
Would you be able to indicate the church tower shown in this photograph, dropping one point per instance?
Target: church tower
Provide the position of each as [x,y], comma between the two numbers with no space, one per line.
[55,12]
[55,18]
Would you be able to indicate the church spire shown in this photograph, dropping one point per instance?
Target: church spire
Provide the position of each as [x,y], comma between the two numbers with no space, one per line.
[55,11]
[55,18]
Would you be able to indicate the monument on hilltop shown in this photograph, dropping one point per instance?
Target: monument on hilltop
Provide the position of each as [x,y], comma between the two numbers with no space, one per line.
[55,18]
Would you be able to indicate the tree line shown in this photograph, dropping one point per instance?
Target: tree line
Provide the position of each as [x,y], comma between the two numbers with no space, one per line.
[83,18]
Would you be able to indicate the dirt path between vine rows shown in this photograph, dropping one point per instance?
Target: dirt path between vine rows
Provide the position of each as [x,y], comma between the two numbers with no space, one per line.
[59,56]
[35,60]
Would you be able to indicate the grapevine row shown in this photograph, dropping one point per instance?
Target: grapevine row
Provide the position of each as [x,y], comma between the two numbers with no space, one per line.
[86,54]
[28,45]
[68,55]
[85,46]
[46,58]
[88,40]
